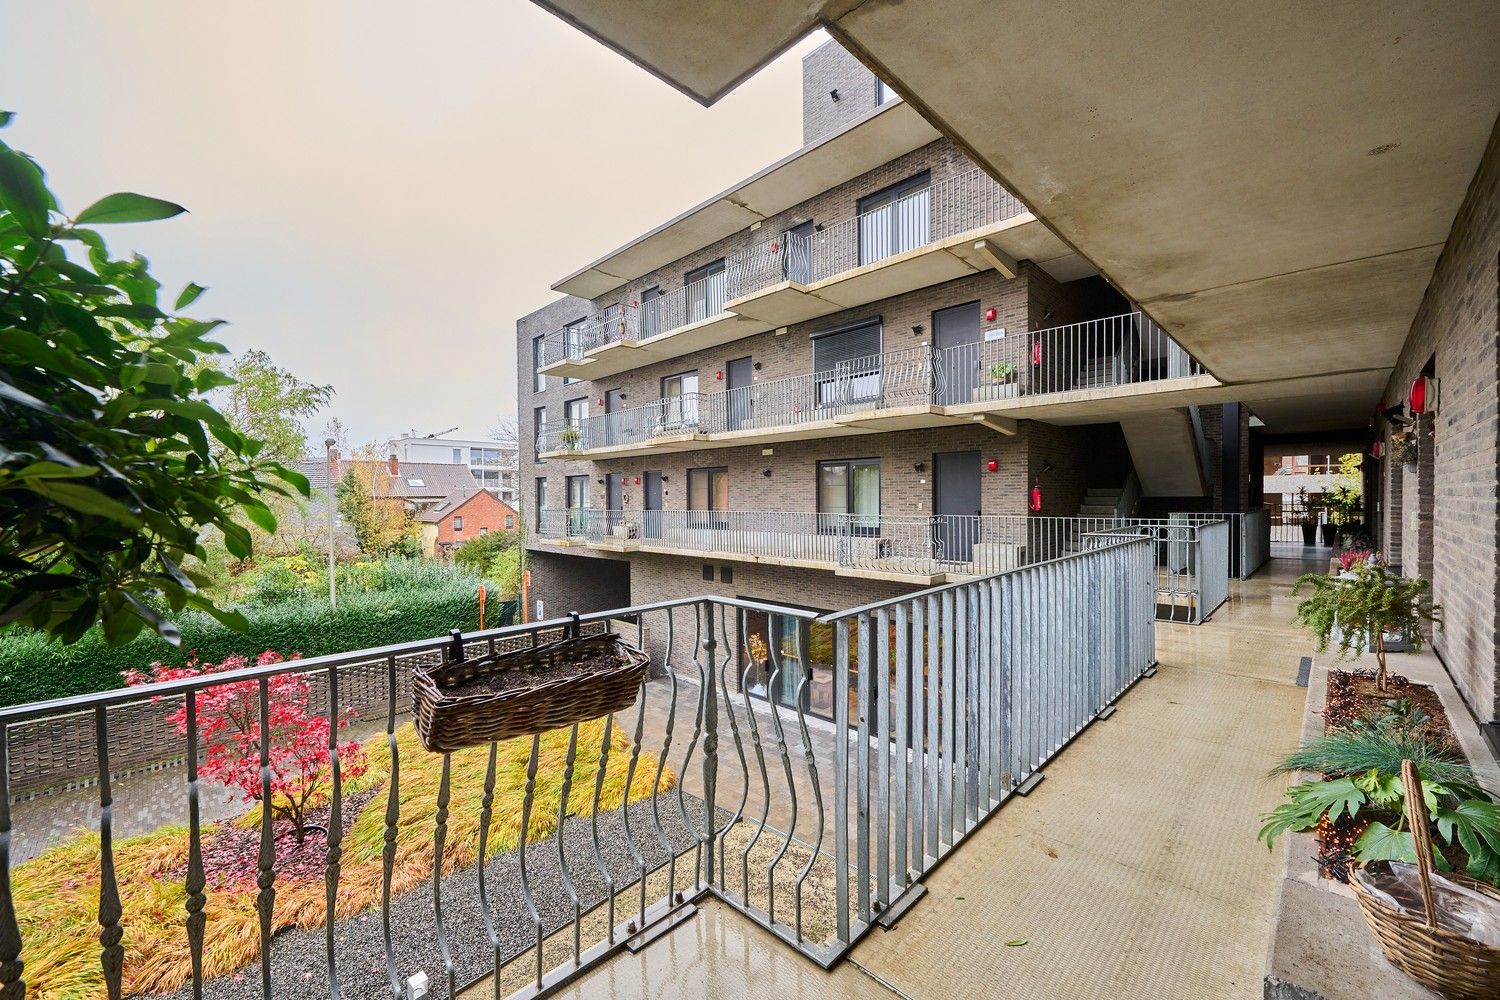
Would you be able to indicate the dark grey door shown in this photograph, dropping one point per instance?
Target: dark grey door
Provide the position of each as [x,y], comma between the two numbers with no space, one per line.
[955,339]
[955,504]
[614,489]
[740,373]
[614,402]
[651,526]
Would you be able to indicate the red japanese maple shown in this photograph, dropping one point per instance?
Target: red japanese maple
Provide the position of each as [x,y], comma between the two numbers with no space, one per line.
[229,728]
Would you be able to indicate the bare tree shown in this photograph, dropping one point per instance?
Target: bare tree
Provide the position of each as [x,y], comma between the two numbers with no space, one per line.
[504,430]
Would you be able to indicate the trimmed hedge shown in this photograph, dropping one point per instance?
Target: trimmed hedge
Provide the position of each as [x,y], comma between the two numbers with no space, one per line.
[33,668]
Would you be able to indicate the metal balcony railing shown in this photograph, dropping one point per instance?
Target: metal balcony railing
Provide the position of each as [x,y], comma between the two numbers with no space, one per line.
[945,208]
[1194,553]
[947,701]
[1121,350]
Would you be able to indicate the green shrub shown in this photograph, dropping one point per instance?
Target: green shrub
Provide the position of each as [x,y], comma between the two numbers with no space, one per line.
[399,600]
[479,553]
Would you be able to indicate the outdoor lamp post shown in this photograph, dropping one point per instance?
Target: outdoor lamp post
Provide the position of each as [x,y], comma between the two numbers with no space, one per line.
[333,601]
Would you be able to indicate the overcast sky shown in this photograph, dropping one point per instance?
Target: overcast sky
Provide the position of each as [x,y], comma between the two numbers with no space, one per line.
[377,189]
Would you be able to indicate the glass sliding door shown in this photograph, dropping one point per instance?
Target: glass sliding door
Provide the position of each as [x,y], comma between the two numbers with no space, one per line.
[705,291]
[578,502]
[895,220]
[780,651]
[708,498]
[849,496]
[679,406]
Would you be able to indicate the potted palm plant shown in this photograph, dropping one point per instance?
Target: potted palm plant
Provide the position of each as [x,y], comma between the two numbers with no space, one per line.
[1363,608]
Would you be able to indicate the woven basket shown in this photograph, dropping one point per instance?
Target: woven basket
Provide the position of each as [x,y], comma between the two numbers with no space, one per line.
[1445,962]
[449,719]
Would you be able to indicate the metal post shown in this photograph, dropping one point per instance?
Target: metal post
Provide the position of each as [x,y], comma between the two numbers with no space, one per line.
[333,599]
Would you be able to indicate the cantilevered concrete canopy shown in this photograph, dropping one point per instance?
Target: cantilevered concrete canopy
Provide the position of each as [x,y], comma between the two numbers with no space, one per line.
[884,134]
[1272,182]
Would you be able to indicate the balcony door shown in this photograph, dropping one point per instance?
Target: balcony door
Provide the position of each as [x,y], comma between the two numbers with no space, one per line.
[708,498]
[651,526]
[955,338]
[614,402]
[614,489]
[705,291]
[740,374]
[651,312]
[679,405]
[578,502]
[956,504]
[895,220]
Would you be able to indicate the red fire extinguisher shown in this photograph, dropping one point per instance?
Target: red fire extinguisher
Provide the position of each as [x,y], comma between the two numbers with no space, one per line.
[1036,499]
[1036,353]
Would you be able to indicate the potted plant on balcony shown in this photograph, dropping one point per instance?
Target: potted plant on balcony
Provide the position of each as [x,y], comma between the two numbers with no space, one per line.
[571,436]
[1002,379]
[1306,519]
[1363,608]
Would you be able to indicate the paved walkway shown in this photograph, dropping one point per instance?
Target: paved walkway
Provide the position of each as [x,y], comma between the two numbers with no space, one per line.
[1133,870]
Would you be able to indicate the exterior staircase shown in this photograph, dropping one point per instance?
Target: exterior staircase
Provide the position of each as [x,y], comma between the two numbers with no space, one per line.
[1101,502]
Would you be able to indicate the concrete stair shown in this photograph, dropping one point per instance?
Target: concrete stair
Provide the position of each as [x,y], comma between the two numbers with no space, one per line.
[1100,502]
[1164,451]
[1103,370]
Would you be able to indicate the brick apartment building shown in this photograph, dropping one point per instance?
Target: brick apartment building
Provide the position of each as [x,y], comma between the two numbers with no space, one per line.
[461,517]
[881,373]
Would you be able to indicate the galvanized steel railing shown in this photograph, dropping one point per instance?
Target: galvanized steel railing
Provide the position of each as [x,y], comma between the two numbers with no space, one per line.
[1249,536]
[1193,552]
[948,207]
[986,372]
[962,693]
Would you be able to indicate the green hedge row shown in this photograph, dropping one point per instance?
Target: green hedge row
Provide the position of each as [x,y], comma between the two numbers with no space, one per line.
[34,669]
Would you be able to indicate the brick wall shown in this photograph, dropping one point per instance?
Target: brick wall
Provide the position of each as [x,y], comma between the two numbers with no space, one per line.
[583,582]
[481,513]
[542,322]
[829,67]
[1456,330]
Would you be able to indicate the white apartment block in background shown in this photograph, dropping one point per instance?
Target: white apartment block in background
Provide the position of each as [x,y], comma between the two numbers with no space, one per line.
[493,464]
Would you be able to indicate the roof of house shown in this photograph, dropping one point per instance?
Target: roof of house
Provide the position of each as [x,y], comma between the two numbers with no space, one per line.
[452,504]
[416,480]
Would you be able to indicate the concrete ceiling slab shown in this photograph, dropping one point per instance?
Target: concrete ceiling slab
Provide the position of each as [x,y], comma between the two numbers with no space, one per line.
[1264,178]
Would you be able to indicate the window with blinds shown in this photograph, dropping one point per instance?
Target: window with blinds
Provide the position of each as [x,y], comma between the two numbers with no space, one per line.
[846,364]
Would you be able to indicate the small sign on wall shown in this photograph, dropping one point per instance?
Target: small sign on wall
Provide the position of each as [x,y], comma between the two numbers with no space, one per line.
[541,610]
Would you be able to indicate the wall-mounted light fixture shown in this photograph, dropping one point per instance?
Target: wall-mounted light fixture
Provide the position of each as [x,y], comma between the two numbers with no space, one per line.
[1048,466]
[665,478]
[834,93]
[920,466]
[917,328]
[755,365]
[766,473]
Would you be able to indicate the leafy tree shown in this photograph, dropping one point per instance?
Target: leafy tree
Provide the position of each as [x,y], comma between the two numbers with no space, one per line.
[269,404]
[1346,496]
[109,471]
[230,727]
[382,526]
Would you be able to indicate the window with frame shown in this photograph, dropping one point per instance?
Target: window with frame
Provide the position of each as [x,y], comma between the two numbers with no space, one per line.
[458,456]
[847,363]
[575,411]
[458,522]
[578,501]
[895,219]
[708,497]
[575,340]
[484,531]
[679,394]
[510,522]
[706,287]
[849,494]
[538,424]
[884,94]
[536,363]
[541,500]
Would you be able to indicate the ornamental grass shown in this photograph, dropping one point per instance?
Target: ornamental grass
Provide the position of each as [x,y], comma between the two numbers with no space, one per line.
[56,895]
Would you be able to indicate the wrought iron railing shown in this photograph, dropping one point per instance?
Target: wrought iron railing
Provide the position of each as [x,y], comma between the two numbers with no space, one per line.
[949,701]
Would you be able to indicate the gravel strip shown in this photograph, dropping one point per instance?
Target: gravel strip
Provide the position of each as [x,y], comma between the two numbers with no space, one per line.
[298,956]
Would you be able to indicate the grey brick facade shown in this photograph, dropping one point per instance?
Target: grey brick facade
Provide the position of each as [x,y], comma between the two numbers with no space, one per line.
[825,70]
[1443,520]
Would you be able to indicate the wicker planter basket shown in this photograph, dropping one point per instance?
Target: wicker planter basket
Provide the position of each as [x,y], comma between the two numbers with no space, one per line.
[454,705]
[1444,961]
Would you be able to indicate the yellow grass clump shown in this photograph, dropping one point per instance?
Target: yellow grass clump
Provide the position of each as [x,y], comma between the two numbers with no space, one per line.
[56,895]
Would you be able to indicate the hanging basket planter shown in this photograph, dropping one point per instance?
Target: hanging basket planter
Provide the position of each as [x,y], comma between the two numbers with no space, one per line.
[469,702]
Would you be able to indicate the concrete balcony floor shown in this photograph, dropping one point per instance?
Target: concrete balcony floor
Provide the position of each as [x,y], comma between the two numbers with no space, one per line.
[1132,870]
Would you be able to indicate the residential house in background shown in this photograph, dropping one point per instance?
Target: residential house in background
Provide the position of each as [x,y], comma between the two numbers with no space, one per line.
[492,464]
[460,517]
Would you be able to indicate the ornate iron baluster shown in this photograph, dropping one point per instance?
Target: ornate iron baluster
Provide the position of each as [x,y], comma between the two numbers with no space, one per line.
[765,779]
[531,910]
[12,985]
[635,755]
[786,764]
[486,811]
[265,877]
[687,759]
[196,882]
[112,952]
[609,878]
[392,817]
[562,857]
[734,728]
[812,775]
[710,717]
[439,839]
[661,765]
[335,827]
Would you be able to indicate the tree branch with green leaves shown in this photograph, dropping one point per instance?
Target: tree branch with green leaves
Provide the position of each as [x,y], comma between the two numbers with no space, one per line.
[113,461]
